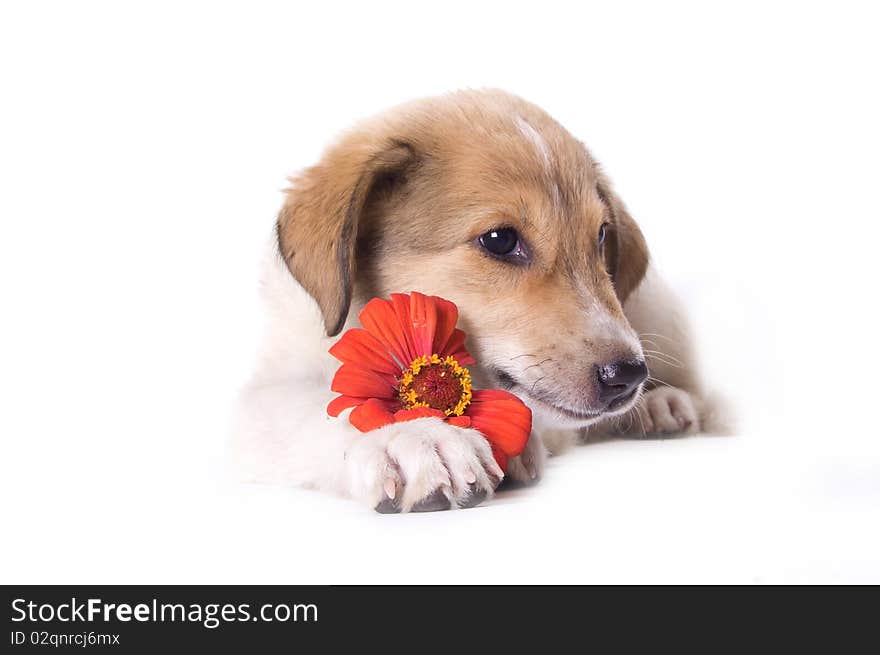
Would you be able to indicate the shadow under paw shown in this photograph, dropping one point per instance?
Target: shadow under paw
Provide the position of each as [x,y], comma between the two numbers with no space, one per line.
[435,502]
[517,483]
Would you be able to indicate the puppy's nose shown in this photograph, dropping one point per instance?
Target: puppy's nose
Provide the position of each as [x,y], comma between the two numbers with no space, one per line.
[619,379]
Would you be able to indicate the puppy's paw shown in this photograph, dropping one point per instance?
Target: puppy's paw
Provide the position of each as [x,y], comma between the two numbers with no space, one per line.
[420,466]
[667,411]
[528,467]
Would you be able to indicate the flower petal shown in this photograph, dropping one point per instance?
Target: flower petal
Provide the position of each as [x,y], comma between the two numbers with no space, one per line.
[460,421]
[455,347]
[417,412]
[357,346]
[380,319]
[354,380]
[447,317]
[371,415]
[422,323]
[339,404]
[401,304]
[486,395]
[502,418]
[500,457]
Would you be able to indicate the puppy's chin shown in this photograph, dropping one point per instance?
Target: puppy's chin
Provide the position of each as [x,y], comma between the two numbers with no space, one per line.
[552,415]
[551,412]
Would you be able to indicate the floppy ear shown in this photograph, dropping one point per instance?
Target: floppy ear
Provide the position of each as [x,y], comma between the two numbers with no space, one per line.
[626,249]
[318,225]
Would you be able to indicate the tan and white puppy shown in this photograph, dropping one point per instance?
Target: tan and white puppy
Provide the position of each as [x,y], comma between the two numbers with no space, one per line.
[483,199]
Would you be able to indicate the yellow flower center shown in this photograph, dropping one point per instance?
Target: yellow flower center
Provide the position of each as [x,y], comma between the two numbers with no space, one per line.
[436,383]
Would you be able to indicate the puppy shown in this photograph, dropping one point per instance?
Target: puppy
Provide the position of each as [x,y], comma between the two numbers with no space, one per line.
[483,199]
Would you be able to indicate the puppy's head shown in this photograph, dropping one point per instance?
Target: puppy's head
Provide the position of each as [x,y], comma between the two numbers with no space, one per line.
[481,198]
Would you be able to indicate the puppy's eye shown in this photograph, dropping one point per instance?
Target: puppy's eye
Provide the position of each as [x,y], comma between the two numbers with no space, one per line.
[501,242]
[602,230]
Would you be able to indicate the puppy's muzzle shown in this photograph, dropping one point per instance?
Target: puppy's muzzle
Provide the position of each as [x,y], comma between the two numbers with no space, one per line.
[619,381]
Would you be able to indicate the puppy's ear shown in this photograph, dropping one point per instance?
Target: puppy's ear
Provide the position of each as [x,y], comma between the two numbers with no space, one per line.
[626,251]
[318,225]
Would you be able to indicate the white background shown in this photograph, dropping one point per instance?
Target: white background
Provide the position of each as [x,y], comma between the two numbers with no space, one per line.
[143,147]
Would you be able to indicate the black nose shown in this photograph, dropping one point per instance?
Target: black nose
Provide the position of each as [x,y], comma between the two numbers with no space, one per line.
[618,380]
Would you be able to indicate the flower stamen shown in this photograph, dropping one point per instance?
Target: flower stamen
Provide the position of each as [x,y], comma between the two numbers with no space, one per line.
[436,383]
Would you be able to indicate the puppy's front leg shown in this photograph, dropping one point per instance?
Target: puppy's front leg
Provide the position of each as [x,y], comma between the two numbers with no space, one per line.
[667,411]
[421,465]
[284,435]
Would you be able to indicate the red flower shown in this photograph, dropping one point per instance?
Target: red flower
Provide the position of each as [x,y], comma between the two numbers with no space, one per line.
[407,363]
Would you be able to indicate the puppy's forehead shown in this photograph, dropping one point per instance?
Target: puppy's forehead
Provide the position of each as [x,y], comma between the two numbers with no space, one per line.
[521,143]
[525,164]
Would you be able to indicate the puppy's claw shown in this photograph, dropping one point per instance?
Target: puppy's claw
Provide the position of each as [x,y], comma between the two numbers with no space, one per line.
[390,488]
[529,465]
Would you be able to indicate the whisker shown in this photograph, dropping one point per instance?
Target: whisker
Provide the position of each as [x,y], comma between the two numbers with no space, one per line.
[666,359]
[549,359]
[664,362]
[656,334]
[618,421]
[663,354]
[641,422]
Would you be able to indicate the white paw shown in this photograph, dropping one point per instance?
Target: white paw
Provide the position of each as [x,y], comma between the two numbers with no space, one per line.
[528,467]
[421,465]
[667,411]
